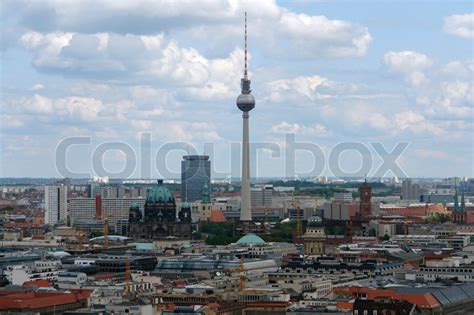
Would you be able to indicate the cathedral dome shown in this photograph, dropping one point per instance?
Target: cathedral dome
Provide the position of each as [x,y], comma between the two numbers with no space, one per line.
[250,239]
[160,194]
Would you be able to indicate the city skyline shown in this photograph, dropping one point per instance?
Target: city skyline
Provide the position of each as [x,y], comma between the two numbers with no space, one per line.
[327,72]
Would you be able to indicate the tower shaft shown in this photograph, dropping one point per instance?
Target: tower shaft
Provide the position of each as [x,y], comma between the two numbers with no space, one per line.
[245,206]
[245,102]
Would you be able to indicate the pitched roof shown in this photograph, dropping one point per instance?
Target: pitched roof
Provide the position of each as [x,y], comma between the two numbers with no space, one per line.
[36,300]
[422,300]
[217,216]
[41,283]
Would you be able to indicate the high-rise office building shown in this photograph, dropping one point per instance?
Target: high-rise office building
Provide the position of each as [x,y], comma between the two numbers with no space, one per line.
[116,209]
[411,191]
[245,102]
[55,204]
[195,174]
[406,188]
[343,196]
[261,196]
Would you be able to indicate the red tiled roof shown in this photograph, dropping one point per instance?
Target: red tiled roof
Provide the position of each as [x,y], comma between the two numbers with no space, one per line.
[180,283]
[37,300]
[217,216]
[41,283]
[421,300]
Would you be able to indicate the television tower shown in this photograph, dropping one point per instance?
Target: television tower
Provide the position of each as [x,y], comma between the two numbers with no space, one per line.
[245,102]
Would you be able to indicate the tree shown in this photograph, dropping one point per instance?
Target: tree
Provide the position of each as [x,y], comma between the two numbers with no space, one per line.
[386,237]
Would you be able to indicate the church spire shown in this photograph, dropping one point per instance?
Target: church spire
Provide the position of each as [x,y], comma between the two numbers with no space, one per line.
[206,198]
[456,202]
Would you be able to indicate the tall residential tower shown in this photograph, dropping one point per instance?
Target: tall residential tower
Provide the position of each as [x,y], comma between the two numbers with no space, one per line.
[245,102]
[55,204]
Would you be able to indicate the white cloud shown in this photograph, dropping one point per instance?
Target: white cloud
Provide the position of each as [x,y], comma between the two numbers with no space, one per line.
[459,69]
[73,107]
[37,87]
[460,25]
[9,121]
[138,58]
[310,35]
[411,64]
[47,47]
[417,124]
[458,90]
[317,35]
[313,130]
[356,118]
[300,87]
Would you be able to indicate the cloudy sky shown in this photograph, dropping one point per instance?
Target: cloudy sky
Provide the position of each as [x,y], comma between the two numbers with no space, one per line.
[328,71]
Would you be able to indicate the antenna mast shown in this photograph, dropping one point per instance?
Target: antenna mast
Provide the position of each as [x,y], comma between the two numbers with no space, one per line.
[245,53]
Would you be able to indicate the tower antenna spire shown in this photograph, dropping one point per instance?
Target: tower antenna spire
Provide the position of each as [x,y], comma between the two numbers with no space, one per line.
[245,53]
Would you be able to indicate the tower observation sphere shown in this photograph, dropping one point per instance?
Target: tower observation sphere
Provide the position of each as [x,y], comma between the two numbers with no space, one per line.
[245,102]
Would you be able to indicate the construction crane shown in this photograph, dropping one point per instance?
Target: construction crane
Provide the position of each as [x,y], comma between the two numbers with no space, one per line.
[128,275]
[80,235]
[106,229]
[243,277]
[242,273]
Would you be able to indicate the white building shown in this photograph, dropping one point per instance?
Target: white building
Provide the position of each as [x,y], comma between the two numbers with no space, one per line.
[40,269]
[118,209]
[343,196]
[261,195]
[55,204]
[451,268]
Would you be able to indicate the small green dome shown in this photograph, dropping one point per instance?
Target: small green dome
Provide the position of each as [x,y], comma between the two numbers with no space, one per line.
[251,239]
[134,205]
[160,194]
[185,205]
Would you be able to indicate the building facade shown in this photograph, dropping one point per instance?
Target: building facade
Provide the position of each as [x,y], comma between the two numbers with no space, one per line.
[314,240]
[55,204]
[365,206]
[159,218]
[261,196]
[195,173]
[116,209]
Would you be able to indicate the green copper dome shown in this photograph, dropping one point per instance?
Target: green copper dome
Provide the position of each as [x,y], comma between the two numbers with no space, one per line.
[185,205]
[160,194]
[134,205]
[251,238]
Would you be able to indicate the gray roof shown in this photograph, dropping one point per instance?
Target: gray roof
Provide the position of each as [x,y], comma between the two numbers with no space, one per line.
[406,256]
[445,296]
